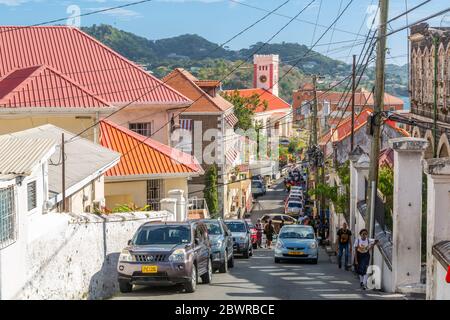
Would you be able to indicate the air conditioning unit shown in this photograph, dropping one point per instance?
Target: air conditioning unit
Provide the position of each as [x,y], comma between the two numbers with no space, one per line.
[47,205]
[96,205]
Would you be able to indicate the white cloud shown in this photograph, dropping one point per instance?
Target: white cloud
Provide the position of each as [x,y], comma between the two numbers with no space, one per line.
[12,2]
[119,12]
[204,1]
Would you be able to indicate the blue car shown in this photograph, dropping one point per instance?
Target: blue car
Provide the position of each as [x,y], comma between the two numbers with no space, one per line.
[297,242]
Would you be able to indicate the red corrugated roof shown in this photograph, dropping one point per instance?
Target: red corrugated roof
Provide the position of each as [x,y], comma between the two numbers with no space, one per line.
[345,127]
[42,86]
[273,102]
[80,57]
[144,156]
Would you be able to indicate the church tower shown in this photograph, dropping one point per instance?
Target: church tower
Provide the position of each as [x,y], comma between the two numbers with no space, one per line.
[266,72]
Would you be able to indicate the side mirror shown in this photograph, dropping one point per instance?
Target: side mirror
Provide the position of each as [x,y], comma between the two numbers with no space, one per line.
[130,242]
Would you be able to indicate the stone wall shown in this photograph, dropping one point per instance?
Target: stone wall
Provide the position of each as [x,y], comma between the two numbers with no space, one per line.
[75,257]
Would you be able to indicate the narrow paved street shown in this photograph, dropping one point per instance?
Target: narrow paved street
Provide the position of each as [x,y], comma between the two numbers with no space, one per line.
[260,278]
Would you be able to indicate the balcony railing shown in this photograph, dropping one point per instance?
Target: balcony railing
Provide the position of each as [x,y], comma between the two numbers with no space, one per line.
[198,208]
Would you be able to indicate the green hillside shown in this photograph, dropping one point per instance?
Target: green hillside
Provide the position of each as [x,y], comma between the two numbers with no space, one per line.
[207,60]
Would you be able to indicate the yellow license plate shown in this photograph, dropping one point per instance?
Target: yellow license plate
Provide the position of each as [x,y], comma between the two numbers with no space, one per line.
[149,269]
[295,253]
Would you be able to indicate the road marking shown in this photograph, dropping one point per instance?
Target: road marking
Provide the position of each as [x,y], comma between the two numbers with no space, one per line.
[325,290]
[282,273]
[296,278]
[309,282]
[341,296]
[386,295]
[341,282]
[315,274]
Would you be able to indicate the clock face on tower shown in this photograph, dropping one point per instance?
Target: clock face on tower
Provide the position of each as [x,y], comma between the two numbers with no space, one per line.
[263,78]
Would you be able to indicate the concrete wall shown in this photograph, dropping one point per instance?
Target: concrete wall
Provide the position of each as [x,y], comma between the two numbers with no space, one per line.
[118,193]
[441,289]
[66,256]
[386,273]
[94,191]
[157,115]
[12,268]
[20,122]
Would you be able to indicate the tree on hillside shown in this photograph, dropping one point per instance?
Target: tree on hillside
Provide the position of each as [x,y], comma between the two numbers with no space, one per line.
[244,108]
[210,192]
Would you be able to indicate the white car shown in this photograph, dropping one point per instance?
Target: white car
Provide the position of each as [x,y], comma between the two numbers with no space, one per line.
[294,207]
[295,197]
[296,193]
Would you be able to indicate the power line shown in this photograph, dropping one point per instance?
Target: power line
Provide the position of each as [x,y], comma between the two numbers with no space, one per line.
[80,15]
[348,5]
[317,20]
[334,27]
[128,104]
[300,20]
[139,80]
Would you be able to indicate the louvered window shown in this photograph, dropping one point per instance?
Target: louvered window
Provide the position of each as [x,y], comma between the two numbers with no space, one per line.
[31,194]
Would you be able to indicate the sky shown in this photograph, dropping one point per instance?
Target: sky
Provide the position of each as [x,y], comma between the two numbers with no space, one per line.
[220,20]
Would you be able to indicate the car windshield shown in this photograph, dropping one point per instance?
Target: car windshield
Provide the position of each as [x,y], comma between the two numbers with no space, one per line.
[256,184]
[296,233]
[213,228]
[294,205]
[163,234]
[236,226]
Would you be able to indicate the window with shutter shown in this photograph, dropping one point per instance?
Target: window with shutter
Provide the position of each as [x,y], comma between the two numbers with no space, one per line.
[31,194]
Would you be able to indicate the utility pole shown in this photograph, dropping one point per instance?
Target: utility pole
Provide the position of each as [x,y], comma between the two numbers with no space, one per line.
[314,120]
[378,108]
[352,137]
[322,178]
[314,140]
[435,129]
[64,209]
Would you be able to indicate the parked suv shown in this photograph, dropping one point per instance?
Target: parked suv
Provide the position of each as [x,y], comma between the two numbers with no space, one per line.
[169,253]
[221,244]
[241,237]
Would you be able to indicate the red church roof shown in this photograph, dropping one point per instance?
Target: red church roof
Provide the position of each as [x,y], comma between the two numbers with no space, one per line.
[42,86]
[142,155]
[273,102]
[86,61]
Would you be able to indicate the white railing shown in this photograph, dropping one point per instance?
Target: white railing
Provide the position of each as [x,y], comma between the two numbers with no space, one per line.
[198,204]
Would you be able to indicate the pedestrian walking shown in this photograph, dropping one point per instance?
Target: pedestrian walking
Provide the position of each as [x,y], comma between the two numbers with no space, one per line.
[315,224]
[259,231]
[363,245]
[269,230]
[344,244]
[306,221]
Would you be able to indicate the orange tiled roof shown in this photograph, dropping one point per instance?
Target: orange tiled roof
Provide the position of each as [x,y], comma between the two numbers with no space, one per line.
[273,102]
[144,156]
[191,87]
